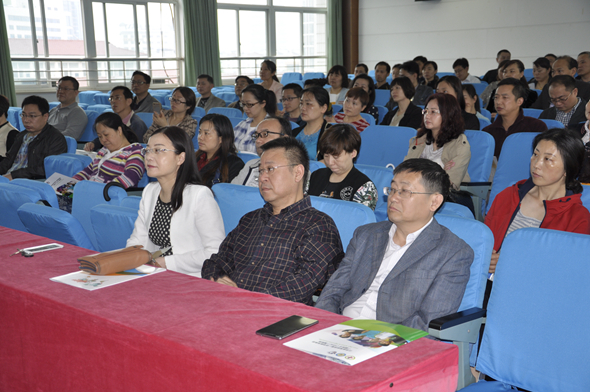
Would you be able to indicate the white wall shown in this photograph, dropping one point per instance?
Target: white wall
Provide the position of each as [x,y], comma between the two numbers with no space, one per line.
[444,30]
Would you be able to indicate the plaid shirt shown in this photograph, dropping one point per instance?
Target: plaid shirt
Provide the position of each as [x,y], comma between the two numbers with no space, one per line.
[564,117]
[289,255]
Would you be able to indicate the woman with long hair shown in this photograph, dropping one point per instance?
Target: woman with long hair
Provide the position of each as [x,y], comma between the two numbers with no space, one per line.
[472,101]
[315,104]
[451,85]
[268,74]
[338,80]
[182,105]
[216,157]
[258,103]
[177,211]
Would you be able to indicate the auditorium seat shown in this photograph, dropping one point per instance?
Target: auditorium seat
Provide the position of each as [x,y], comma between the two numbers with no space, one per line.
[45,190]
[66,164]
[384,144]
[480,166]
[147,118]
[89,131]
[228,112]
[72,144]
[112,225]
[535,113]
[381,97]
[11,198]
[290,77]
[552,123]
[368,118]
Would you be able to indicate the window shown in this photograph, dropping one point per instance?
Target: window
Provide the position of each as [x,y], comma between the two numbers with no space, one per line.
[122,36]
[292,33]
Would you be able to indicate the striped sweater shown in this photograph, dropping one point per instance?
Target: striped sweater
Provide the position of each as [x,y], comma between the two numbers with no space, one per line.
[126,167]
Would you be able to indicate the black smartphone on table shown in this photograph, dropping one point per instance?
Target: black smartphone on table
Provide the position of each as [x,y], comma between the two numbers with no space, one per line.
[286,327]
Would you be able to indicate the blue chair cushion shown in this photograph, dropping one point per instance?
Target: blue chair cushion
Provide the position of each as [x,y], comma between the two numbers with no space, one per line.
[45,190]
[112,225]
[11,198]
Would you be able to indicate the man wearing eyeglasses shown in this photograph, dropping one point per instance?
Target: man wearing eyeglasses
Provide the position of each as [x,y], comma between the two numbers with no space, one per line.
[69,118]
[287,248]
[25,159]
[567,108]
[563,65]
[269,129]
[408,270]
[207,100]
[143,100]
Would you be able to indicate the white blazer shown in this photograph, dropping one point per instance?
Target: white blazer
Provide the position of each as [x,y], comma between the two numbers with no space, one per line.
[196,229]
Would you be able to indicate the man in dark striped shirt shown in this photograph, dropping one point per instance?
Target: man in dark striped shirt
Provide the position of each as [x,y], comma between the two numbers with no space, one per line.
[287,248]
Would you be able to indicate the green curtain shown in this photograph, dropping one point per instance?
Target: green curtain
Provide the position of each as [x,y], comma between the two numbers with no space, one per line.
[6,76]
[201,44]
[335,46]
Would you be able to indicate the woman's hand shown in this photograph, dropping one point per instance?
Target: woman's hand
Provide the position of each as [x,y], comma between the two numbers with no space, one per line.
[160,262]
[449,165]
[89,146]
[494,261]
[160,120]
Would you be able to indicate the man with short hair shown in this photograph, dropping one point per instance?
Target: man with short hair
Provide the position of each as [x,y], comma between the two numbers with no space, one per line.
[287,248]
[360,69]
[291,100]
[143,102]
[461,68]
[381,73]
[492,75]
[584,67]
[408,270]
[241,83]
[26,157]
[8,132]
[510,118]
[568,108]
[563,65]
[410,70]
[69,118]
[207,100]
[270,128]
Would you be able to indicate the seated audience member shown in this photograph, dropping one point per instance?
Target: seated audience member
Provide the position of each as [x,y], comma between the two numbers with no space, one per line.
[182,105]
[510,119]
[515,69]
[69,118]
[395,71]
[584,130]
[452,86]
[441,138]
[338,80]
[121,99]
[492,74]
[366,83]
[568,108]
[564,65]
[383,275]
[291,101]
[217,158]
[551,57]
[26,156]
[177,211]
[550,198]
[241,83]
[406,114]
[315,104]
[420,60]
[340,146]
[541,73]
[356,101]
[409,69]
[8,133]
[143,102]
[582,127]
[461,68]
[361,69]
[319,82]
[207,100]
[584,67]
[472,101]
[258,103]
[381,73]
[269,129]
[268,74]
[429,74]
[286,249]
[490,89]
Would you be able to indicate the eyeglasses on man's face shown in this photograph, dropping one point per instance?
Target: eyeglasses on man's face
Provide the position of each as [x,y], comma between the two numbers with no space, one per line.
[271,169]
[561,99]
[288,99]
[403,193]
[264,134]
[137,83]
[65,89]
[25,116]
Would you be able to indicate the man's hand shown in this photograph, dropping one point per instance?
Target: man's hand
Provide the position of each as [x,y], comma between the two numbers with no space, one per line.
[89,146]
[226,281]
[494,261]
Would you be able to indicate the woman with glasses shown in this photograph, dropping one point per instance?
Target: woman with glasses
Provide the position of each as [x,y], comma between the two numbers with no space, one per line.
[315,104]
[338,80]
[241,83]
[406,114]
[268,74]
[216,157]
[182,105]
[177,212]
[258,103]
[340,145]
[291,101]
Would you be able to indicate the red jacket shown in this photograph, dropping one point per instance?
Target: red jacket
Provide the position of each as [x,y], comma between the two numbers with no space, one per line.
[566,213]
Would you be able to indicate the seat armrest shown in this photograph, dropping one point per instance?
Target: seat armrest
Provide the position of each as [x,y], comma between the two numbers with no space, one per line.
[458,327]
[485,183]
[451,320]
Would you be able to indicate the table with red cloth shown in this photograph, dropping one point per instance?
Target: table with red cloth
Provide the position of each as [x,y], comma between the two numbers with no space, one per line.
[174,332]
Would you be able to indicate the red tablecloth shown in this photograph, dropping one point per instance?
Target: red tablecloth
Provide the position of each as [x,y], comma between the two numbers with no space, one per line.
[173,332]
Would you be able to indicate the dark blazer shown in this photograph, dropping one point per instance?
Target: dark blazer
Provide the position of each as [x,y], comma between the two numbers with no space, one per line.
[578,116]
[412,117]
[428,281]
[235,164]
[543,102]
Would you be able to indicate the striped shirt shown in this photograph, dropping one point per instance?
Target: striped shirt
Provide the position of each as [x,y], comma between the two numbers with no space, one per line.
[126,167]
[521,221]
[360,125]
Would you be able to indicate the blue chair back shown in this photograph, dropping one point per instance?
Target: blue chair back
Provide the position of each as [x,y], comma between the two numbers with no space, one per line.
[131,202]
[228,96]
[528,73]
[529,112]
[480,238]
[87,97]
[383,145]
[585,196]
[102,99]
[552,123]
[454,209]
[315,165]
[13,117]
[246,156]
[147,118]
[381,177]
[45,190]
[483,123]
[228,112]
[89,131]
[235,121]
[534,311]
[198,112]
[4,180]
[382,111]
[53,223]
[336,108]
[72,144]
[227,197]
[513,164]
[53,105]
[486,113]
[482,155]
[312,75]
[100,108]
[479,87]
[66,164]
[11,198]
[368,118]
[294,125]
[382,97]
[112,226]
[290,77]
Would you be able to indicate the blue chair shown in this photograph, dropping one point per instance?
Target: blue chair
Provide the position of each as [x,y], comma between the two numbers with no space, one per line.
[479,87]
[99,108]
[147,118]
[535,113]
[528,73]
[4,180]
[131,202]
[483,123]
[235,121]
[480,166]
[198,112]
[87,97]
[381,177]
[83,105]
[66,164]
[102,99]
[382,97]
[486,113]
[290,77]
[382,112]
[112,226]
[11,198]
[246,156]
[53,105]
[533,305]
[368,118]
[585,196]
[89,132]
[53,223]
[72,144]
[315,165]
[228,112]
[45,190]
[454,209]
[232,211]
[311,75]
[371,72]
[228,96]
[294,125]
[513,164]
[383,145]
[13,117]
[552,123]
[336,108]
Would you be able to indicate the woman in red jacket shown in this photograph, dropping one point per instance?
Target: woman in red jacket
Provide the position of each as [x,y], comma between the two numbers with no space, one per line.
[550,198]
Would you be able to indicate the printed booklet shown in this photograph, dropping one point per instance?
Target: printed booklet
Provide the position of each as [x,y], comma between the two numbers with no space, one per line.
[355,341]
[87,281]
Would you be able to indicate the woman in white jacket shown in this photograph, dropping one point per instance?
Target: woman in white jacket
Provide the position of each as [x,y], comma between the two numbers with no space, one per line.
[177,210]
